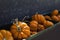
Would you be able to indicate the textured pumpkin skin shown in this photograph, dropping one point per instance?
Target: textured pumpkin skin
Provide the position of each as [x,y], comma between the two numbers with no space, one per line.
[48,24]
[5,35]
[55,12]
[20,34]
[39,18]
[33,25]
[1,36]
[34,17]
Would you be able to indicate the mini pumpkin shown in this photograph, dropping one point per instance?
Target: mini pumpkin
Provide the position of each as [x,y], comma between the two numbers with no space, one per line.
[48,24]
[47,17]
[39,18]
[20,30]
[33,32]
[5,35]
[55,18]
[58,17]
[40,27]
[55,12]
[33,25]
[1,36]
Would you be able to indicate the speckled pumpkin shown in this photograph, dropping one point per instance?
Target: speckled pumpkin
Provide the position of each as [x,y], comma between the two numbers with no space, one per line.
[5,35]
[20,30]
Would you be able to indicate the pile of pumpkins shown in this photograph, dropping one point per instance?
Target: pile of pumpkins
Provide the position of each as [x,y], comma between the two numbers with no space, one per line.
[21,30]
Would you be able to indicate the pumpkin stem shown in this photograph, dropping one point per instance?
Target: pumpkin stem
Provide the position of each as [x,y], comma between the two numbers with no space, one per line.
[18,27]
[16,20]
[24,18]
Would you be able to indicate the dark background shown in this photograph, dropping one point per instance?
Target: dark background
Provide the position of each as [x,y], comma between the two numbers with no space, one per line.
[11,9]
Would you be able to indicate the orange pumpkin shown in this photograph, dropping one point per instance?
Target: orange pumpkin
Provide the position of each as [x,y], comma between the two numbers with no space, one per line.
[1,36]
[55,18]
[47,17]
[33,32]
[33,25]
[55,12]
[58,17]
[5,35]
[48,24]
[20,30]
[40,27]
[39,18]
